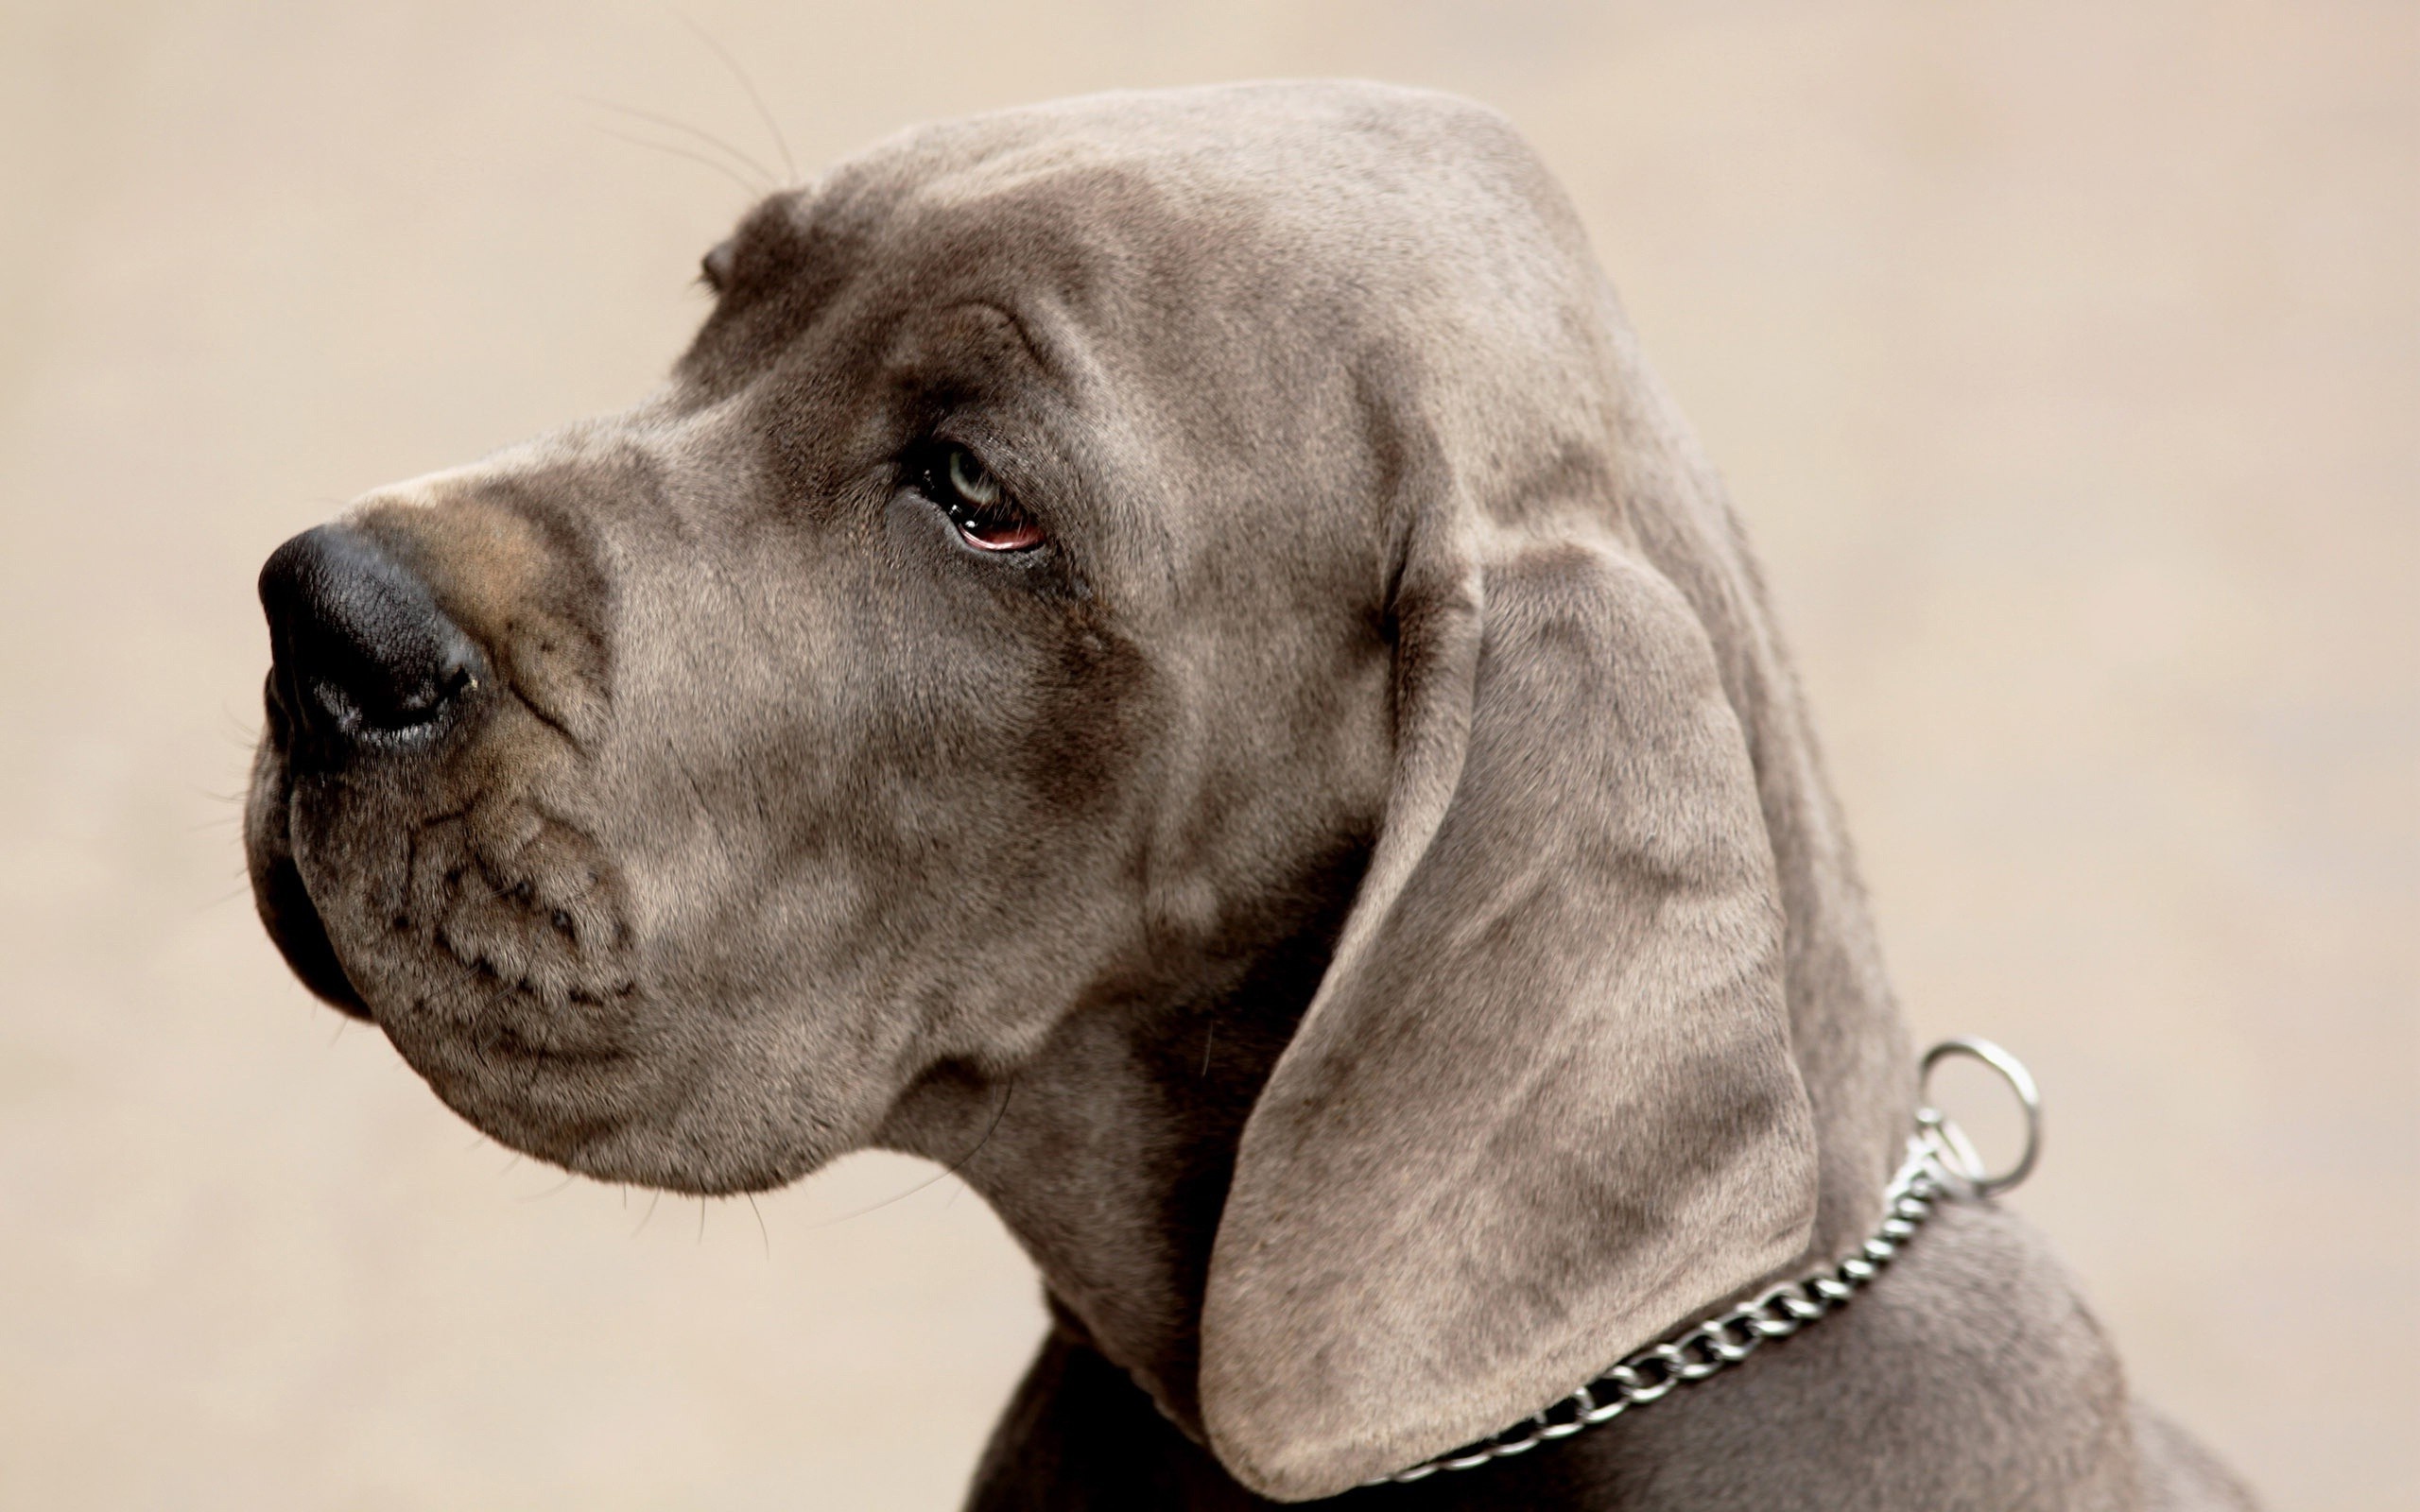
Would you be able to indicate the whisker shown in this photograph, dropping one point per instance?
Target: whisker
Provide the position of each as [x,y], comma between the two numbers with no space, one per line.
[245,890]
[789,164]
[761,1231]
[742,159]
[944,1175]
[716,163]
[569,1177]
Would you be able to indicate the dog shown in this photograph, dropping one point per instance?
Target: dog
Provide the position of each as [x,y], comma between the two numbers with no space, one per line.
[1167,651]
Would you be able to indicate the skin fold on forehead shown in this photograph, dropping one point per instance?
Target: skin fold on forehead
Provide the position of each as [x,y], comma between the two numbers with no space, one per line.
[1234,254]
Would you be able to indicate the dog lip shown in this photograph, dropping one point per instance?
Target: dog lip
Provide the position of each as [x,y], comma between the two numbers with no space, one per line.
[280,896]
[301,936]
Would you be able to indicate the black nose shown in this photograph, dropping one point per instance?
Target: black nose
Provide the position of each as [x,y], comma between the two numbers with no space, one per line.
[362,649]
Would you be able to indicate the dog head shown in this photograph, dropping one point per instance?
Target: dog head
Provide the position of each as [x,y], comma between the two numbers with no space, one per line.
[1081,543]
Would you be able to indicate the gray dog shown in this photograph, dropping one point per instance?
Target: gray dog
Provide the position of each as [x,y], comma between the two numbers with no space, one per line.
[1167,651]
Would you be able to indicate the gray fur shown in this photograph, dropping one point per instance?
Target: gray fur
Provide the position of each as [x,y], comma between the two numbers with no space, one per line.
[1361,901]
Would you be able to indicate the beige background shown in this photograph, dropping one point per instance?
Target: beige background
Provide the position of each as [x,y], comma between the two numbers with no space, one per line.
[2062,357]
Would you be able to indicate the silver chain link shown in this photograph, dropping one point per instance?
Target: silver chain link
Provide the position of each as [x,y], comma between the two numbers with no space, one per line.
[1940,1164]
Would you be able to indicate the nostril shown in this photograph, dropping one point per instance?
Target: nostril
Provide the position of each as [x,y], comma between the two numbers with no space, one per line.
[360,644]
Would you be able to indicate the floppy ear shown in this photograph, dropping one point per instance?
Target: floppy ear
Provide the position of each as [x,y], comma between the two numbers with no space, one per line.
[1542,1107]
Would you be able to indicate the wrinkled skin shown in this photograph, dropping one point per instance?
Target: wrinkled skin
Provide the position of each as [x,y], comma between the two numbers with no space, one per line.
[778,817]
[791,798]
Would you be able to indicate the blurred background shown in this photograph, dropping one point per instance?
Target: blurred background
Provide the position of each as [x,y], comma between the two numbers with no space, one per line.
[2063,356]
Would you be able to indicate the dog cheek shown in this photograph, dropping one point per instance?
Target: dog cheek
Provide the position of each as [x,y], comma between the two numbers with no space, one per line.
[1096,715]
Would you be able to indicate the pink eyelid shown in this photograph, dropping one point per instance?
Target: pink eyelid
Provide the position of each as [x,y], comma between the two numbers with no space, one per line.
[1018,537]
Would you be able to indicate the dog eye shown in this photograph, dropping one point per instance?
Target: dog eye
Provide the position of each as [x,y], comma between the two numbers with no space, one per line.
[987,518]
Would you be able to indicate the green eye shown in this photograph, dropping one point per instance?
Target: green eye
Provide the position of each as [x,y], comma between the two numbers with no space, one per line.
[987,518]
[968,479]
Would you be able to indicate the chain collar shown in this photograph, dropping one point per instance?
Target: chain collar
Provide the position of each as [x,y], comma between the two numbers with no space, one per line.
[1941,1164]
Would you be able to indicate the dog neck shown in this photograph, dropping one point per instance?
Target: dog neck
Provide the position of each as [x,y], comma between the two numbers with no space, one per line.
[1109,1149]
[1108,1152]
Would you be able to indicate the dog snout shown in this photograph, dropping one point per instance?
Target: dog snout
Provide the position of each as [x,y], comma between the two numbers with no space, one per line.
[362,649]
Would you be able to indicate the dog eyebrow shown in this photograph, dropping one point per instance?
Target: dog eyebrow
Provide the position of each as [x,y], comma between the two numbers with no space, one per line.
[1041,352]
[1012,342]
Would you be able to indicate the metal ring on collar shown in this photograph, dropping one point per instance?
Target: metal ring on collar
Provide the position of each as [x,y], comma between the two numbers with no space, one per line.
[1951,1142]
